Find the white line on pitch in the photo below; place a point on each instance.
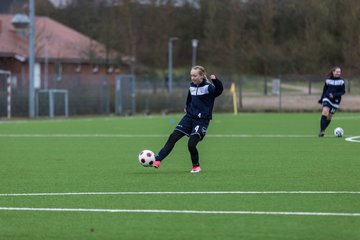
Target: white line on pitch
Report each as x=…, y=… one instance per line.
x=150, y=135
x=82, y=135
x=178, y=193
x=178, y=211
x=353, y=139
x=346, y=117
x=260, y=135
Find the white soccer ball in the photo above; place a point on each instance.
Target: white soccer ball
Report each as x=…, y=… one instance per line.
x=338, y=132
x=147, y=158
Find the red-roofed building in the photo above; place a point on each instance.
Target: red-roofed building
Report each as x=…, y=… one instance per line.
x=64, y=49
x=64, y=59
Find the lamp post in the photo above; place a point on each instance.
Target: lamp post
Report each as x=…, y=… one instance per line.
x=170, y=61
x=20, y=22
x=194, y=43
x=46, y=75
x=31, y=59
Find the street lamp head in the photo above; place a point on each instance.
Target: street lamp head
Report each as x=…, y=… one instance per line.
x=173, y=39
x=194, y=43
x=20, y=21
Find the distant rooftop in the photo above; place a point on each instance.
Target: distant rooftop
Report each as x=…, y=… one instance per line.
x=63, y=42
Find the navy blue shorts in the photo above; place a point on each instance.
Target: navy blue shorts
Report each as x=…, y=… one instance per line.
x=192, y=126
x=332, y=109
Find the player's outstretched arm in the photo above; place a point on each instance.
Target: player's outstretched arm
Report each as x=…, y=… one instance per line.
x=218, y=85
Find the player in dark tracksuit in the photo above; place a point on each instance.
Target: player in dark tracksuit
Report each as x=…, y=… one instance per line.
x=334, y=88
x=199, y=107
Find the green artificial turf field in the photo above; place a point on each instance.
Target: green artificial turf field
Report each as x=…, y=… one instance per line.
x=265, y=176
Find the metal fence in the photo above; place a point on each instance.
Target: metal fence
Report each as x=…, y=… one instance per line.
x=291, y=93
x=141, y=94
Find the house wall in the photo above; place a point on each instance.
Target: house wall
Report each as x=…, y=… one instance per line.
x=89, y=92
x=21, y=70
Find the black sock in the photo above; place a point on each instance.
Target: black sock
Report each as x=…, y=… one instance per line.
x=194, y=154
x=327, y=123
x=323, y=123
x=169, y=145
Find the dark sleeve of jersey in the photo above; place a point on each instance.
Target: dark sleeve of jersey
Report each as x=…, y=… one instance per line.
x=188, y=99
x=340, y=92
x=218, y=87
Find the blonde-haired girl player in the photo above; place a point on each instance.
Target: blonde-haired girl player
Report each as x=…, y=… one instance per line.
x=199, y=107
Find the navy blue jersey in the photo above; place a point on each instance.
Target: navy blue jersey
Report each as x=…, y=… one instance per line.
x=201, y=98
x=335, y=86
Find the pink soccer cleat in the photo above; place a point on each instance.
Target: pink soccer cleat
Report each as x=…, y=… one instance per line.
x=156, y=164
x=195, y=169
